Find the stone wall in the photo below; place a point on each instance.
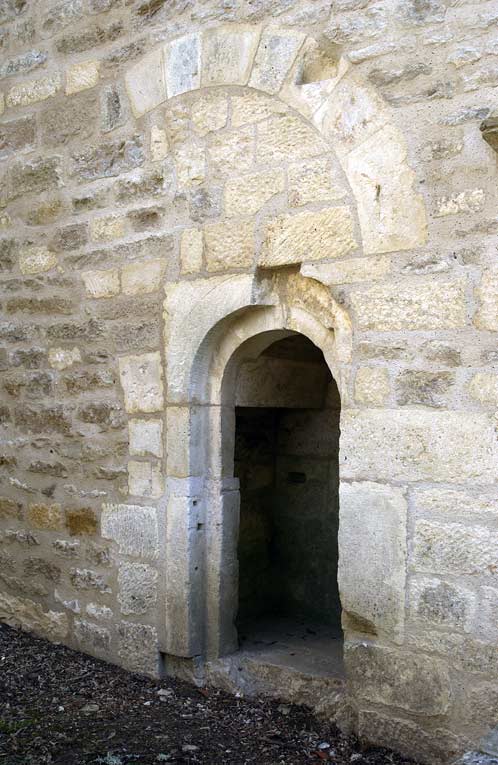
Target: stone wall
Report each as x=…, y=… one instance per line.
x=167, y=151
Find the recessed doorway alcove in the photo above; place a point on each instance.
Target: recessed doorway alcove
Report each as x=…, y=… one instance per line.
x=287, y=409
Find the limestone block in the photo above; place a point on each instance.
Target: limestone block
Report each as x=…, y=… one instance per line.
x=468, y=201
x=159, y=147
x=146, y=438
x=43, y=516
x=139, y=648
x=133, y=528
x=183, y=441
x=142, y=277
x=228, y=53
x=86, y=579
x=137, y=585
x=484, y=388
x=182, y=62
x=145, y=83
x=371, y=385
x=426, y=304
x=9, y=508
x=144, y=479
x=441, y=603
x=276, y=54
x=313, y=181
x=210, y=113
x=451, y=504
x=35, y=90
x=373, y=519
x=349, y=271
x=487, y=296
x=92, y=637
x=31, y=617
x=82, y=76
x=417, y=386
x=96, y=611
x=252, y=107
x=454, y=548
x=418, y=445
x=36, y=259
x=380, y=177
x=232, y=152
x=308, y=236
x=247, y=194
x=141, y=378
x=486, y=624
x=191, y=249
x=418, y=684
x=101, y=284
x=107, y=229
x=229, y=245
x=190, y=165
x=62, y=358
x=353, y=112
x=281, y=138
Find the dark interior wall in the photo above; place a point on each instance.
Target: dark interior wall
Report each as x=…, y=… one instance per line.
x=287, y=464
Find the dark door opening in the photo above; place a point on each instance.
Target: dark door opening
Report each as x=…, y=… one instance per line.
x=286, y=459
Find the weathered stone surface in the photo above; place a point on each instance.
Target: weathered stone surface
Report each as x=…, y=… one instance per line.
x=280, y=138
x=35, y=260
x=450, y=504
x=308, y=236
x=183, y=65
x=191, y=250
x=349, y=271
x=9, y=508
x=144, y=479
x=487, y=296
x=108, y=159
x=247, y=194
x=107, y=229
x=441, y=603
x=16, y=135
x=424, y=305
x=227, y=54
x=86, y=579
x=373, y=516
x=142, y=278
x=372, y=385
x=31, y=177
x=455, y=548
x=138, y=648
x=62, y=358
x=210, y=113
x=23, y=63
x=42, y=419
x=231, y=152
x=204, y=203
x=146, y=438
x=31, y=617
x=81, y=521
x=469, y=201
x=276, y=54
x=484, y=388
x=82, y=76
x=419, y=684
x=254, y=107
x=145, y=83
x=229, y=245
x=137, y=585
x=90, y=37
x=133, y=528
x=36, y=90
x=92, y=637
x=486, y=625
x=418, y=445
x=426, y=388
x=43, y=516
x=313, y=181
x=101, y=284
x=141, y=378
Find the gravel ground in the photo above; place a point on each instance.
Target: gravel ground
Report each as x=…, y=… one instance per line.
x=61, y=707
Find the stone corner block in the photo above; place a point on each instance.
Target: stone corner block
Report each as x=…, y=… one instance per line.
x=141, y=379
x=133, y=528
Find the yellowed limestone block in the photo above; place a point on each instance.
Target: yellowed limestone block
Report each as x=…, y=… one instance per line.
x=229, y=245
x=246, y=194
x=371, y=385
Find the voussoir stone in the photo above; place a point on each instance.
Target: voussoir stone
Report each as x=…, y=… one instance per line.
x=227, y=54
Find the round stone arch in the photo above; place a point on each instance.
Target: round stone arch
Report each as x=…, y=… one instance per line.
x=329, y=93
x=204, y=351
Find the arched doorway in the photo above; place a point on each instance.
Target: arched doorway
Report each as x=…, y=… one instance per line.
x=287, y=410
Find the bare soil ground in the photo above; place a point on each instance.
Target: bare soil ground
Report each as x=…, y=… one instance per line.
x=61, y=707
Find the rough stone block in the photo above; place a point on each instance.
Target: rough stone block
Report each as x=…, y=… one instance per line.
x=441, y=603
x=190, y=166
x=424, y=305
x=16, y=135
x=276, y=54
x=141, y=378
x=191, y=250
x=419, y=684
x=252, y=107
x=81, y=521
x=142, y=278
x=139, y=648
x=27, y=93
x=231, y=152
x=314, y=181
x=108, y=159
x=31, y=617
x=425, y=388
x=349, y=271
x=487, y=296
x=469, y=201
x=146, y=438
x=247, y=194
x=455, y=504
x=371, y=385
x=373, y=518
x=82, y=76
x=43, y=516
x=227, y=54
x=92, y=637
x=32, y=177
x=182, y=60
x=418, y=445
x=133, y=528
x=62, y=358
x=282, y=137
x=484, y=388
x=486, y=626
x=108, y=229
x=9, y=508
x=455, y=548
x=229, y=245
x=145, y=83
x=308, y=236
x=23, y=63
x=86, y=579
x=210, y=113
x=137, y=585
x=101, y=284
x=36, y=260
x=144, y=479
